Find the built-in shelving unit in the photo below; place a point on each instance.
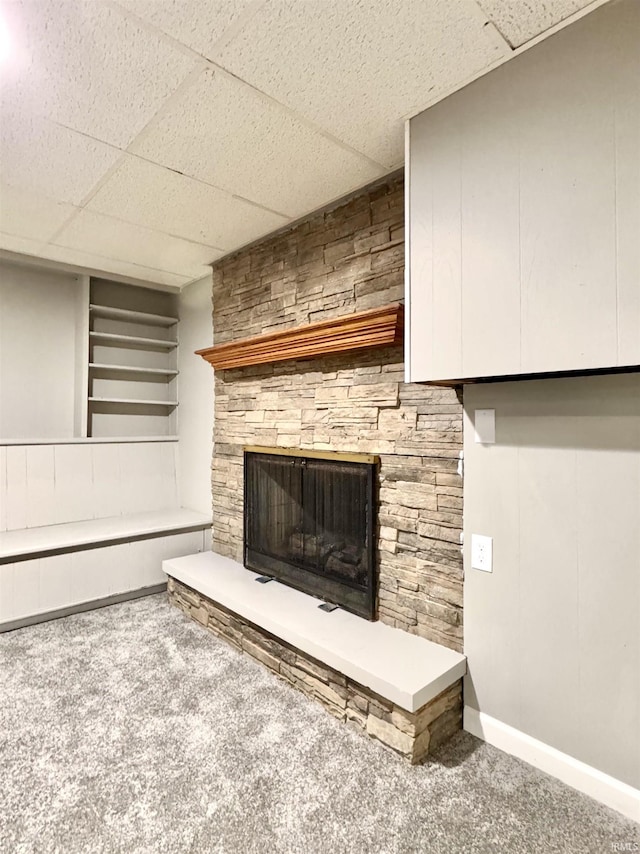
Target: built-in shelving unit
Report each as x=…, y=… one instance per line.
x=131, y=316
x=98, y=368
x=132, y=365
x=132, y=342
x=133, y=402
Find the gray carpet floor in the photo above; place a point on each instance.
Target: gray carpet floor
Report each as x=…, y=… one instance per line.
x=131, y=729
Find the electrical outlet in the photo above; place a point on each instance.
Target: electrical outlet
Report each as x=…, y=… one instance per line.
x=482, y=553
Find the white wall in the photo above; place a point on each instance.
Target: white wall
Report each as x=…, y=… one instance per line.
x=39, y=351
x=524, y=211
x=552, y=634
x=195, y=393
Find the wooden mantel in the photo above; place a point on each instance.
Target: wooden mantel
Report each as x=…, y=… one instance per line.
x=378, y=327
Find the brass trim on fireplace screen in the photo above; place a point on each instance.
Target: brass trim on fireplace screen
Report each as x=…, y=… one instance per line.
x=338, y=456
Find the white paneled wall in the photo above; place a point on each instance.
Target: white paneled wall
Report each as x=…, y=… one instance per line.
x=196, y=384
x=45, y=489
x=524, y=211
x=42, y=585
x=39, y=352
x=52, y=484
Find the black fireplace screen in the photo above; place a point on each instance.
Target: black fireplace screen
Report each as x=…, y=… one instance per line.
x=310, y=523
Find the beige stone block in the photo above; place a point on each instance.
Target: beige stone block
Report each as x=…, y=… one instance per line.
x=388, y=533
x=445, y=727
x=353, y=416
x=407, y=584
x=387, y=546
x=357, y=718
x=340, y=249
x=328, y=394
x=357, y=701
x=421, y=747
x=328, y=694
x=260, y=654
x=382, y=394
x=286, y=671
x=416, y=496
x=404, y=721
x=445, y=478
x=200, y=614
x=384, y=297
x=449, y=517
x=189, y=596
x=397, y=419
x=390, y=735
x=450, y=698
x=311, y=669
x=446, y=501
x=439, y=532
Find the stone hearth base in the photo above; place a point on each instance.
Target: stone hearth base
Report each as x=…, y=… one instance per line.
x=411, y=734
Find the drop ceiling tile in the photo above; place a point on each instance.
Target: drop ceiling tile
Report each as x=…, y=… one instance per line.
x=113, y=238
x=225, y=133
x=519, y=21
x=97, y=264
x=357, y=68
x=205, y=24
x=150, y=195
x=41, y=156
x=23, y=245
x=89, y=67
x=25, y=214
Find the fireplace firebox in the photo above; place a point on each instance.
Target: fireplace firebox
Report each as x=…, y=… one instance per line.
x=309, y=521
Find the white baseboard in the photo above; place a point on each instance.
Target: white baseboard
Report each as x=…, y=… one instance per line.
x=609, y=791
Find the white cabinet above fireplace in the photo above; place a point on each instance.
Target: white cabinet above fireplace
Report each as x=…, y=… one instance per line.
x=523, y=207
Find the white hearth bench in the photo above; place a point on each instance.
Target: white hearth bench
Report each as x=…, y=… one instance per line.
x=401, y=689
x=88, y=524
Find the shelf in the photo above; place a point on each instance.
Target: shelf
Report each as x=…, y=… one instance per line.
x=132, y=342
x=132, y=316
x=378, y=327
x=132, y=369
x=86, y=440
x=126, y=400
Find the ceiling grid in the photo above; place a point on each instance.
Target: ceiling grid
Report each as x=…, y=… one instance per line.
x=147, y=138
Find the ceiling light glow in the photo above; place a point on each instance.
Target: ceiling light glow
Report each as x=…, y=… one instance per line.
x=5, y=40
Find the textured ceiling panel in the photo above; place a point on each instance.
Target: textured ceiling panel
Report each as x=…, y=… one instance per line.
x=43, y=157
x=150, y=195
x=98, y=263
x=356, y=68
x=89, y=67
x=113, y=238
x=25, y=214
x=519, y=21
x=205, y=24
x=23, y=245
x=226, y=134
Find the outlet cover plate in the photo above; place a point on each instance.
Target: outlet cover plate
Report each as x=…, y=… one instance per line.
x=485, y=426
x=482, y=552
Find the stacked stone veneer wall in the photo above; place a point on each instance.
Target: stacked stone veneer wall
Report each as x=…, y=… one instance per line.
x=338, y=262
x=411, y=734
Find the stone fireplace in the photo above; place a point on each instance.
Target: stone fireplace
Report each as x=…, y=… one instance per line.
x=346, y=260
x=338, y=263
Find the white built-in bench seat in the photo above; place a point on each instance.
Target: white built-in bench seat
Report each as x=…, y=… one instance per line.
x=91, y=533
x=88, y=523
x=405, y=669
